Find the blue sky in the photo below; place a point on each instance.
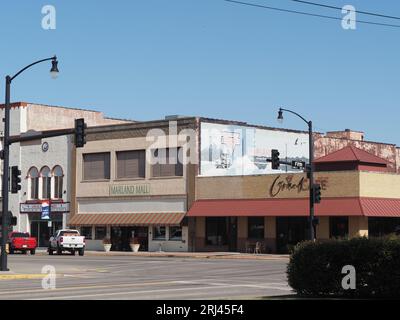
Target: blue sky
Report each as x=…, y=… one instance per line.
x=144, y=59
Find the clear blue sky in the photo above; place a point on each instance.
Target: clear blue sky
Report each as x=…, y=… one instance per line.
x=144, y=59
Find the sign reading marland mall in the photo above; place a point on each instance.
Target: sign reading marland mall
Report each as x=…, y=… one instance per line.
x=130, y=190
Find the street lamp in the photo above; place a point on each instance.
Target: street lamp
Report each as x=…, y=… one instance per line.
x=310, y=171
x=5, y=155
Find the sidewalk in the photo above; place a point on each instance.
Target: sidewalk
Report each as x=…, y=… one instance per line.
x=195, y=255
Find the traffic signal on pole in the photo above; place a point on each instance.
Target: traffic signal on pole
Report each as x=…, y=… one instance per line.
x=15, y=179
x=80, y=133
x=275, y=159
x=317, y=193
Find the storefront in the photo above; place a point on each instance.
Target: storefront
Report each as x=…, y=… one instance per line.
x=43, y=226
x=270, y=212
x=153, y=231
x=133, y=187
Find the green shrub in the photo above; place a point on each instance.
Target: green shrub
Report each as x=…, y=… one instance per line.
x=315, y=268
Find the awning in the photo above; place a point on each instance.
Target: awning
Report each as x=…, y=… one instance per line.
x=126, y=219
x=371, y=207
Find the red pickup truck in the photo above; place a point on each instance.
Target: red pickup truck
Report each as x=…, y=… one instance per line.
x=21, y=241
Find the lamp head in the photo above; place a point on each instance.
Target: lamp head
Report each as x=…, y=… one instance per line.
x=54, y=68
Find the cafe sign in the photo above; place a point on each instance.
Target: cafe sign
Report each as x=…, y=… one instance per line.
x=130, y=190
x=293, y=184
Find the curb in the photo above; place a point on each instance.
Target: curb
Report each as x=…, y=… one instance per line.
x=173, y=255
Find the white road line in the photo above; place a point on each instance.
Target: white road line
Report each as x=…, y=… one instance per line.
x=146, y=291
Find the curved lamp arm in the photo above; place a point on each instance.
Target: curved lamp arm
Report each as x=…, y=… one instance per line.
x=32, y=64
x=295, y=113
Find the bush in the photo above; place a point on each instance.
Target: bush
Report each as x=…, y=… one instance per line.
x=315, y=268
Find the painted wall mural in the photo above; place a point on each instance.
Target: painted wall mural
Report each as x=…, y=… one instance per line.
x=231, y=150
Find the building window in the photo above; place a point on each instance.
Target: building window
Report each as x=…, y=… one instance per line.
x=131, y=164
x=338, y=227
x=255, y=227
x=379, y=227
x=216, y=231
x=33, y=176
x=100, y=233
x=175, y=233
x=166, y=163
x=96, y=166
x=58, y=182
x=159, y=233
x=86, y=232
x=46, y=183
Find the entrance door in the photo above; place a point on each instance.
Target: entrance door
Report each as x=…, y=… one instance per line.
x=42, y=232
x=290, y=231
x=232, y=234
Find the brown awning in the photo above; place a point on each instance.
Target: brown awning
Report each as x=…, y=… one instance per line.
x=370, y=207
x=127, y=219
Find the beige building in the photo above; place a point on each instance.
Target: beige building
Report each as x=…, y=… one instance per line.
x=235, y=213
x=121, y=193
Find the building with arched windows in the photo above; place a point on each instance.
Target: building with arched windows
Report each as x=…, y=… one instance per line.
x=45, y=165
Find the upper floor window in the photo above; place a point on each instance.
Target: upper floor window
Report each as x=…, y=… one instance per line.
x=33, y=184
x=131, y=164
x=46, y=183
x=96, y=166
x=166, y=163
x=58, y=182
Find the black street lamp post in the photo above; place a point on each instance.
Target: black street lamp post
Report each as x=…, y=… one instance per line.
x=5, y=155
x=310, y=170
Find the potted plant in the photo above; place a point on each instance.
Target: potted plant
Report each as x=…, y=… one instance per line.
x=135, y=244
x=107, y=244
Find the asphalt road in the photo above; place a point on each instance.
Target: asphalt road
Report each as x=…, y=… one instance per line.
x=146, y=278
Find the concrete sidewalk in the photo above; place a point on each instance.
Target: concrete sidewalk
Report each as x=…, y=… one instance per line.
x=196, y=255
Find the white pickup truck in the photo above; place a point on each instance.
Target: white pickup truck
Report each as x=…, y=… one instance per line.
x=67, y=240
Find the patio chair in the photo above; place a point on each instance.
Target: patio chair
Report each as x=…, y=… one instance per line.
x=257, y=248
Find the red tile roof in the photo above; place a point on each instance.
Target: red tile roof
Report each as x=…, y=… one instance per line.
x=352, y=154
x=352, y=206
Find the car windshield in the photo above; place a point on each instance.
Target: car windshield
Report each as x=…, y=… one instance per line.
x=68, y=233
x=20, y=235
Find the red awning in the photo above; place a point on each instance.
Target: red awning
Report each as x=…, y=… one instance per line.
x=126, y=219
x=371, y=207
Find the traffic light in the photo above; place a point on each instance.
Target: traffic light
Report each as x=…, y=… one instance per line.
x=15, y=179
x=80, y=133
x=317, y=193
x=275, y=159
x=13, y=221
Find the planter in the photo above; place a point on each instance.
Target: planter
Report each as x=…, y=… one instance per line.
x=107, y=247
x=135, y=247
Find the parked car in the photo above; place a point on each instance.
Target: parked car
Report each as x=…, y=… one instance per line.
x=67, y=240
x=21, y=241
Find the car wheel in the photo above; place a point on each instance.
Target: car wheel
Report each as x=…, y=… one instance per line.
x=82, y=252
x=33, y=252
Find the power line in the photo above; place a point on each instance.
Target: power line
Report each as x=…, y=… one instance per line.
x=338, y=8
x=310, y=14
